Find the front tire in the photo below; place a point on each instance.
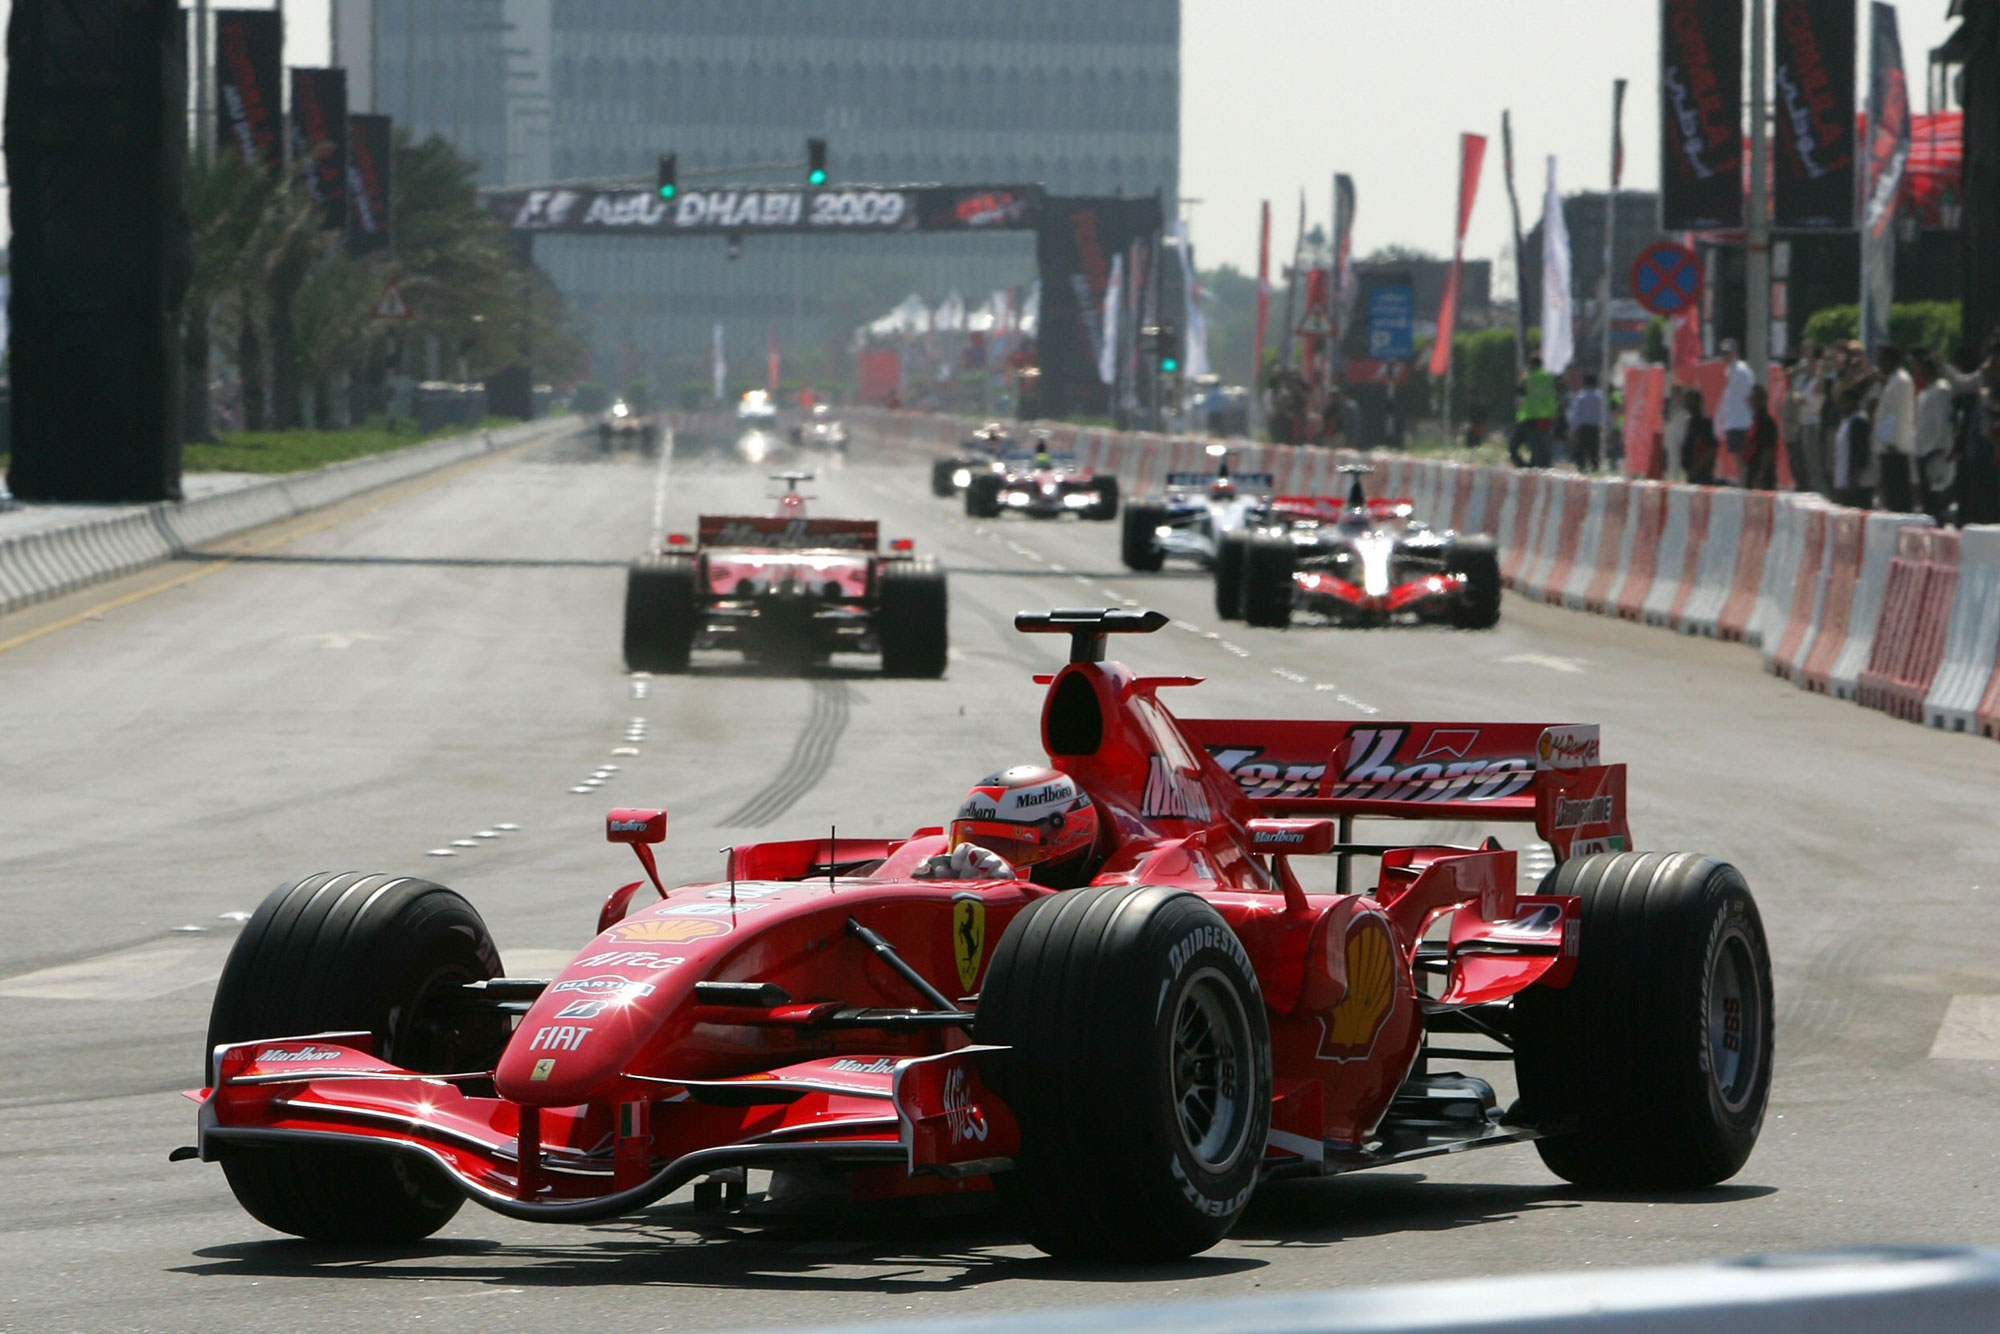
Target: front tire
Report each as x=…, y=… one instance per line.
x=1268, y=564
x=1230, y=552
x=1476, y=560
x=1660, y=1048
x=1139, y=544
x=352, y=952
x=982, y=496
x=1138, y=1062
x=1106, y=491
x=660, y=614
x=911, y=616
x=942, y=474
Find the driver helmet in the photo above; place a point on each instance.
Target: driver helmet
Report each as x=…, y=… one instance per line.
x=1031, y=815
x=1222, y=488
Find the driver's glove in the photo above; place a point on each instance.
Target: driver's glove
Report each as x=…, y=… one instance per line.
x=967, y=861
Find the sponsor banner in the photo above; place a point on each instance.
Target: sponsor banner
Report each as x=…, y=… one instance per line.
x=1701, y=115
x=249, y=106
x=319, y=139
x=369, y=161
x=1813, y=105
x=1572, y=746
x=772, y=530
x=1471, y=155
x=710, y=209
x=1074, y=247
x=1888, y=154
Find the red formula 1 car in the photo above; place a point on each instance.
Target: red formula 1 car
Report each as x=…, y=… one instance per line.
x=1356, y=562
x=1041, y=486
x=788, y=588
x=1123, y=1063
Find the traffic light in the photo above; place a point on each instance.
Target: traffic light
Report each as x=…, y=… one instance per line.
x=816, y=162
x=669, y=169
x=1168, y=346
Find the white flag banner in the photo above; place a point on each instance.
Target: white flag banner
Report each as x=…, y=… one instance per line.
x=1195, y=345
x=720, y=363
x=1558, y=319
x=1107, y=348
x=950, y=314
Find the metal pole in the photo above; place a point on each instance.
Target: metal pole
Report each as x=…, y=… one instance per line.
x=1610, y=247
x=1757, y=265
x=204, y=132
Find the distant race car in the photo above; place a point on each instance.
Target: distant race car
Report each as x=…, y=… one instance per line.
x=821, y=431
x=786, y=587
x=757, y=428
x=1198, y=510
x=982, y=451
x=1122, y=1063
x=1357, y=562
x=1041, y=486
x=618, y=425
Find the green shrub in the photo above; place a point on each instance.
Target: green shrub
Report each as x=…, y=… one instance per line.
x=1932, y=324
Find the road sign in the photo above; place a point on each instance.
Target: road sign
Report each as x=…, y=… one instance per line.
x=391, y=306
x=1666, y=278
x=1392, y=323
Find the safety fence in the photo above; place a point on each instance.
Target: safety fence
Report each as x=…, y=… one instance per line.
x=60, y=558
x=1882, y=609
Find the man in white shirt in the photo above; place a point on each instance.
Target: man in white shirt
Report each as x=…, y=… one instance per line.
x=1732, y=414
x=1586, y=425
x=1895, y=428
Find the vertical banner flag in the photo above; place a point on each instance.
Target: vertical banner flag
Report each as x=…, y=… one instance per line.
x=1888, y=154
x=1520, y=245
x=1471, y=156
x=1263, y=292
x=1558, y=320
x=1701, y=115
x=1074, y=246
x=1107, y=347
x=1343, y=256
x=369, y=158
x=1194, y=333
x=1812, y=176
x=319, y=139
x=1617, y=134
x=249, y=107
x=718, y=363
x=771, y=362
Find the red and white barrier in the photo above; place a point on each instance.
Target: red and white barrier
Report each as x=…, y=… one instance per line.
x=1605, y=496
x=1966, y=669
x=1880, y=534
x=1715, y=576
x=1909, y=642
x=1759, y=509
x=1671, y=559
x=1786, y=654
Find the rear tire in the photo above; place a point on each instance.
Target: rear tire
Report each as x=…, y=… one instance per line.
x=1660, y=1047
x=1268, y=564
x=1106, y=491
x=1230, y=553
x=1478, y=607
x=1138, y=1062
x=355, y=953
x=942, y=472
x=982, y=496
x=1139, y=544
x=660, y=614
x=911, y=618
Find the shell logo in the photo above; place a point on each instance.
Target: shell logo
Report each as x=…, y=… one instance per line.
x=1351, y=1026
x=676, y=931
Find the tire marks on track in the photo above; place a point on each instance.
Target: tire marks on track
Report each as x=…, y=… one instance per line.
x=812, y=756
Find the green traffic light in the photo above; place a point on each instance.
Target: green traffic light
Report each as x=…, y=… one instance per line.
x=666, y=192
x=1169, y=365
x=817, y=178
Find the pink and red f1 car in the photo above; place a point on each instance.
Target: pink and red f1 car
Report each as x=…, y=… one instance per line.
x=1357, y=562
x=1122, y=1063
x=788, y=588
x=1041, y=486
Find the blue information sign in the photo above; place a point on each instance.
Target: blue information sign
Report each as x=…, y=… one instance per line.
x=1392, y=320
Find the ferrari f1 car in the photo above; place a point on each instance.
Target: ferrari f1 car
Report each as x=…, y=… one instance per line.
x=1197, y=512
x=1359, y=562
x=1122, y=1063
x=1041, y=486
x=618, y=425
x=786, y=587
x=982, y=451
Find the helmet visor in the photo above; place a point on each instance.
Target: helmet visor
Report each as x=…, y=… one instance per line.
x=1020, y=844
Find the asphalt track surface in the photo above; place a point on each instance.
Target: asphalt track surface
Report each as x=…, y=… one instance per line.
x=420, y=667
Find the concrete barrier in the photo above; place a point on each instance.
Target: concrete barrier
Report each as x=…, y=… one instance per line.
x=1878, y=549
x=1966, y=670
x=1714, y=578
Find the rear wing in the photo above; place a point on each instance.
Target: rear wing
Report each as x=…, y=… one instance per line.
x=773, y=530
x=1547, y=774
x=1201, y=481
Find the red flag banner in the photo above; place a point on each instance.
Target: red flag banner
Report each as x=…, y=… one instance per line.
x=1471, y=156
x=1263, y=291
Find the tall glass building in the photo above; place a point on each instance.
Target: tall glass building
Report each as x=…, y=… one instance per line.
x=1082, y=96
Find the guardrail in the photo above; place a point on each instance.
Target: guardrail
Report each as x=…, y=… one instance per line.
x=49, y=562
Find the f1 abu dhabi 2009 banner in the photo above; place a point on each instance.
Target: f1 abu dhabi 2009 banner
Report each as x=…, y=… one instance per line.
x=369, y=160
x=698, y=210
x=249, y=108
x=1074, y=248
x=1701, y=115
x=1813, y=167
x=319, y=139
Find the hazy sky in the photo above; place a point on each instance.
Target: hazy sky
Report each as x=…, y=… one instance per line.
x=1280, y=94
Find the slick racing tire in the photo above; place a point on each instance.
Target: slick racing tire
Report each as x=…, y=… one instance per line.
x=911, y=619
x=1139, y=544
x=1230, y=552
x=1137, y=1060
x=1268, y=563
x=660, y=614
x=942, y=473
x=1106, y=491
x=982, y=496
x=1478, y=607
x=356, y=953
x=1658, y=1052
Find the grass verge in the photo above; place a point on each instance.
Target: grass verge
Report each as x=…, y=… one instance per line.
x=297, y=451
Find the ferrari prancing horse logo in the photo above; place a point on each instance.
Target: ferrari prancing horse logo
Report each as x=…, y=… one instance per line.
x=968, y=937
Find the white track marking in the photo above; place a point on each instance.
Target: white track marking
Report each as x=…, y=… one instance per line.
x=1970, y=1031
x=1548, y=660
x=1289, y=675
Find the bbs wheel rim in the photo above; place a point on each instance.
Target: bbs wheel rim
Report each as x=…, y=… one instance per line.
x=1735, y=1023
x=1211, y=1071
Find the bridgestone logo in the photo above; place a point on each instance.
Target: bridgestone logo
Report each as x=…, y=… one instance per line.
x=1574, y=814
x=1209, y=938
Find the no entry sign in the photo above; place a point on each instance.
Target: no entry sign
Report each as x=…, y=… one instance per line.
x=1666, y=278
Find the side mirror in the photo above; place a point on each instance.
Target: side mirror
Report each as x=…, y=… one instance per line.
x=635, y=826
